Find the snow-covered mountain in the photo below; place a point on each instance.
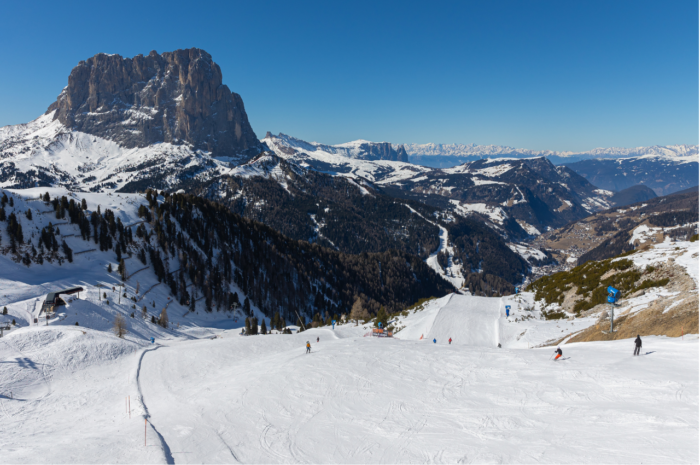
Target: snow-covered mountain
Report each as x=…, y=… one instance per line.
x=675, y=152
x=44, y=152
x=128, y=124
x=525, y=196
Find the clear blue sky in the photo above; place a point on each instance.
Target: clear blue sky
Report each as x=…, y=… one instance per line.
x=557, y=75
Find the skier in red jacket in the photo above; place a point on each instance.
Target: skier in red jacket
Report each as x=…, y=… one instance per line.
x=450, y=341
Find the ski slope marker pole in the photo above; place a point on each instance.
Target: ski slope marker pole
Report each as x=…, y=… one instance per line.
x=145, y=422
x=129, y=407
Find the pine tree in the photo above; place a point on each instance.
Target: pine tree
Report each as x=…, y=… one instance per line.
x=29, y=214
x=382, y=317
x=109, y=268
x=254, y=325
x=144, y=312
x=122, y=270
x=68, y=252
x=83, y=204
x=263, y=327
x=247, y=325
x=4, y=310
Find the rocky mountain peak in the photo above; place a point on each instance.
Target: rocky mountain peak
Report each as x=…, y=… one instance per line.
x=176, y=97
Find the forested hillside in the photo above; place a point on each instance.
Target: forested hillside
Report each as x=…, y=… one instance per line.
x=200, y=249
x=331, y=211
x=490, y=267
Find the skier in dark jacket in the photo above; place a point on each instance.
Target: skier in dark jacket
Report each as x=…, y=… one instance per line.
x=558, y=352
x=637, y=345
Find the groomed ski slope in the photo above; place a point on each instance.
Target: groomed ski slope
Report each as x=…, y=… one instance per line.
x=467, y=320
x=363, y=400
x=354, y=399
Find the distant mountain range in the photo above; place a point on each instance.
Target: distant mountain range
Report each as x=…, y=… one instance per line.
x=664, y=175
x=474, y=150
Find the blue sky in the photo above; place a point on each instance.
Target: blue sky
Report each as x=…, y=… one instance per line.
x=558, y=75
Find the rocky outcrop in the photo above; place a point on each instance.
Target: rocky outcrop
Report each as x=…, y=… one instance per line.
x=401, y=154
x=382, y=151
x=176, y=97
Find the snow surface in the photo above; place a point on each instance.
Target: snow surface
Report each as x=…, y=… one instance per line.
x=353, y=399
x=210, y=395
x=684, y=253
x=496, y=214
x=526, y=251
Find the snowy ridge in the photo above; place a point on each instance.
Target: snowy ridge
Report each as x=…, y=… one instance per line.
x=341, y=160
x=61, y=157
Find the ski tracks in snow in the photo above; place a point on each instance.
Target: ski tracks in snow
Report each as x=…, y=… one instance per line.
x=166, y=449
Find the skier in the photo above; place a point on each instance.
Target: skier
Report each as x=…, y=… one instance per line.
x=637, y=345
x=450, y=341
x=308, y=347
x=558, y=352
x=434, y=341
x=318, y=339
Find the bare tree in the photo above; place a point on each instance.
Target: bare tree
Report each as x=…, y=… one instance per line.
x=119, y=327
x=357, y=312
x=163, y=320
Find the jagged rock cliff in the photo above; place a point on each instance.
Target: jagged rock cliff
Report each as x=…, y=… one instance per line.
x=176, y=97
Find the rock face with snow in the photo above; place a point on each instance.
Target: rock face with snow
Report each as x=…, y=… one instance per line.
x=176, y=97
